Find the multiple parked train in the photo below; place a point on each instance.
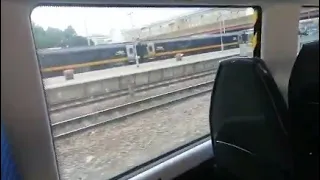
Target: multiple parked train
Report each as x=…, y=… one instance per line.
x=82, y=59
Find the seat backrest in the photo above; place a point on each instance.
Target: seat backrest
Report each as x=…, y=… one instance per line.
x=8, y=167
x=303, y=94
x=248, y=116
x=303, y=100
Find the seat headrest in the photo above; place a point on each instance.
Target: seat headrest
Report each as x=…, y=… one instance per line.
x=243, y=87
x=304, y=79
x=248, y=112
x=303, y=98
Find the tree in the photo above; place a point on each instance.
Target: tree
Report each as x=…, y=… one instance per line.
x=75, y=41
x=39, y=35
x=54, y=37
x=69, y=32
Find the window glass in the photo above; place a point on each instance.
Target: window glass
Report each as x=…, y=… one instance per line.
x=118, y=113
x=150, y=48
x=131, y=51
x=308, y=26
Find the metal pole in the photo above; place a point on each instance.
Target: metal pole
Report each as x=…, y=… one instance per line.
x=134, y=39
x=136, y=55
x=223, y=26
x=221, y=40
x=85, y=26
x=131, y=20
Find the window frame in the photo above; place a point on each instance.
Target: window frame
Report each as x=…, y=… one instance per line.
x=40, y=105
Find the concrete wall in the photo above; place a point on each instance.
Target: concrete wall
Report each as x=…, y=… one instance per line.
x=101, y=87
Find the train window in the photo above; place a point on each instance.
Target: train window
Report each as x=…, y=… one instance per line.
x=159, y=48
x=121, y=114
x=308, y=25
x=150, y=48
x=120, y=53
x=130, y=50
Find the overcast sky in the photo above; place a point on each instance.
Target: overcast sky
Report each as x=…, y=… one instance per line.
x=102, y=20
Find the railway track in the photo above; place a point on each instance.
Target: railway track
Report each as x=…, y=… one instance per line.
x=56, y=108
x=79, y=124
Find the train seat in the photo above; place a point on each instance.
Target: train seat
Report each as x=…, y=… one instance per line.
x=8, y=167
x=247, y=117
x=303, y=100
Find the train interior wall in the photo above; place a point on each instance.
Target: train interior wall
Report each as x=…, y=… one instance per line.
x=278, y=49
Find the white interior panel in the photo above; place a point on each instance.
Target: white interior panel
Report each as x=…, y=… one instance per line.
x=279, y=40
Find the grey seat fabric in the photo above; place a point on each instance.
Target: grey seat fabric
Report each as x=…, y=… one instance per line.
x=247, y=121
x=303, y=100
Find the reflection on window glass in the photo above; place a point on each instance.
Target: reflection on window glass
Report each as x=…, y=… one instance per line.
x=308, y=26
x=127, y=85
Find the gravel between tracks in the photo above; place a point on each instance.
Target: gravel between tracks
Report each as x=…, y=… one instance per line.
x=74, y=112
x=106, y=151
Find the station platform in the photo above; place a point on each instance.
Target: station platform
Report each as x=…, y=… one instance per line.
x=90, y=84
